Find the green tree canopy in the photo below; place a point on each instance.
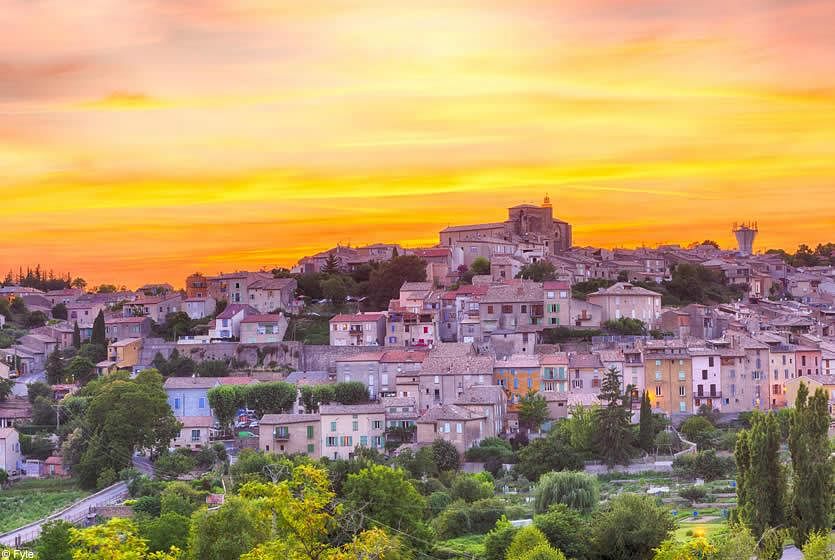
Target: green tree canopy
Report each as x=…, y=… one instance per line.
x=540, y=271
x=630, y=527
x=533, y=411
x=577, y=490
x=812, y=465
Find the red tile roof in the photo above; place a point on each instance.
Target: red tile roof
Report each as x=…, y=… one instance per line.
x=269, y=318
x=357, y=318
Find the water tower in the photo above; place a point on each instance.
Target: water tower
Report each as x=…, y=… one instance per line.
x=745, y=234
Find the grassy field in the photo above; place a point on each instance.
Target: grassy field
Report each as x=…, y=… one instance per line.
x=471, y=546
x=29, y=500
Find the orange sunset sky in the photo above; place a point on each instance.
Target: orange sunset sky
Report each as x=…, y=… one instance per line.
x=143, y=140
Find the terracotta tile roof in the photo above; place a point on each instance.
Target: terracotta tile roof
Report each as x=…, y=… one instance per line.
x=356, y=317
x=584, y=360
x=288, y=418
x=206, y=382
x=416, y=286
x=398, y=401
x=448, y=412
x=473, y=227
x=556, y=285
x=440, y=252
x=125, y=320
x=362, y=357
x=624, y=288
x=272, y=283
x=518, y=361
x=268, y=318
x=555, y=359
x=482, y=394
x=521, y=292
x=330, y=409
x=402, y=356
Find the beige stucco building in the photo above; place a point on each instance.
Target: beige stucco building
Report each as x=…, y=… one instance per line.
x=624, y=300
x=346, y=427
x=291, y=433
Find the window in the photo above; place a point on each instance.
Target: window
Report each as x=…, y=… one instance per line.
x=658, y=362
x=682, y=406
x=550, y=295
x=333, y=426
x=459, y=428
x=355, y=426
x=524, y=308
x=704, y=374
x=310, y=432
x=509, y=309
x=709, y=362
x=346, y=441
x=437, y=379
x=682, y=376
x=658, y=390
x=563, y=294
x=176, y=403
x=195, y=435
x=364, y=441
x=490, y=309
x=595, y=382
x=682, y=392
x=658, y=376
x=201, y=402
x=311, y=448
x=446, y=427
x=331, y=441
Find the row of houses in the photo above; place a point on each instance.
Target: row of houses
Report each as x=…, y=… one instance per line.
x=510, y=314
x=334, y=431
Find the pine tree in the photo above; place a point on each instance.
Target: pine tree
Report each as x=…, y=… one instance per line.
x=99, y=335
x=761, y=481
x=646, y=434
x=332, y=264
x=614, y=436
x=54, y=368
x=811, y=503
x=76, y=336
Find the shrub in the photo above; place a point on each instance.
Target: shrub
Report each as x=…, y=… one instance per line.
x=460, y=518
x=703, y=464
x=630, y=528
x=498, y=540
x=149, y=505
x=437, y=502
x=469, y=488
x=565, y=529
x=693, y=493
x=491, y=449
x=525, y=539
x=578, y=490
x=445, y=456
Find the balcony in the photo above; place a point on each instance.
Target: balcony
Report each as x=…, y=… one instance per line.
x=281, y=434
x=710, y=395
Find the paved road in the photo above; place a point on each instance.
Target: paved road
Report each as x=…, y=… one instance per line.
x=75, y=513
x=143, y=465
x=19, y=389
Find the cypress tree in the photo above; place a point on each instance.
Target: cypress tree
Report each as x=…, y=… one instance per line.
x=761, y=481
x=76, y=336
x=811, y=503
x=99, y=335
x=614, y=437
x=646, y=434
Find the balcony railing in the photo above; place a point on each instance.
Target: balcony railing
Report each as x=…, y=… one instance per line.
x=713, y=395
